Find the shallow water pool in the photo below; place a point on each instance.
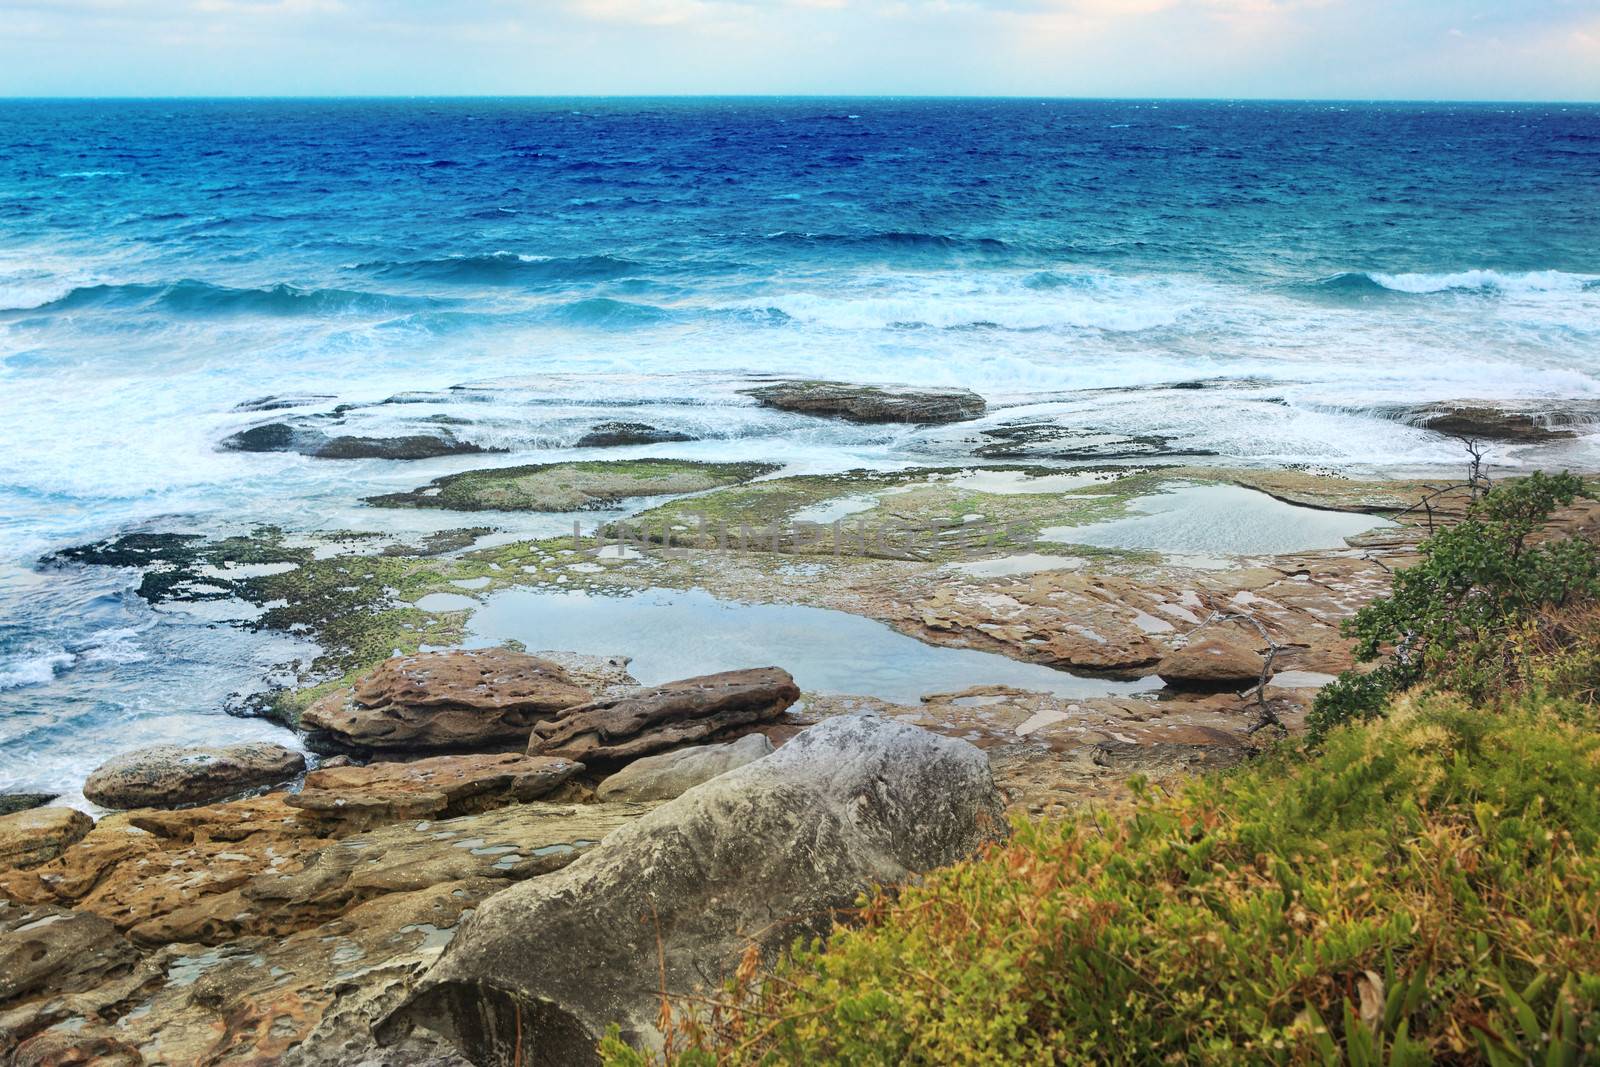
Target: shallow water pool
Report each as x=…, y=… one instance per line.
x=1212, y=526
x=677, y=634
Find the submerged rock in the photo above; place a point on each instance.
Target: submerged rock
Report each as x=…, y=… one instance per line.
x=284, y=437
x=283, y=401
x=38, y=835
x=671, y=774
x=354, y=798
x=168, y=776
x=1498, y=421
x=617, y=434
x=570, y=486
x=762, y=854
x=484, y=698
x=1212, y=663
x=693, y=709
x=871, y=403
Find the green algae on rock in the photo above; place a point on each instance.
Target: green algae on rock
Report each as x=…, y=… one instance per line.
x=570, y=486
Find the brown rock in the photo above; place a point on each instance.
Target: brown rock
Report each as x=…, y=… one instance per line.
x=509, y=844
x=493, y=679
x=29, y=838
x=1211, y=663
x=46, y=949
x=694, y=709
x=442, y=701
x=167, y=776
x=74, y=1047
x=355, y=798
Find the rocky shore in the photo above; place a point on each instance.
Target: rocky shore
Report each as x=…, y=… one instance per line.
x=491, y=854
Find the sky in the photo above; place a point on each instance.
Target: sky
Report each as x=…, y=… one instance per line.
x=1345, y=49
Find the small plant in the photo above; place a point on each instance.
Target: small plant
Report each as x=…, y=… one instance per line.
x=1450, y=619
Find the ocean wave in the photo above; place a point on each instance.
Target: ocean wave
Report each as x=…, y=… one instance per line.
x=603, y=311
x=992, y=302
x=38, y=669
x=1527, y=282
x=504, y=268
x=894, y=241
x=202, y=298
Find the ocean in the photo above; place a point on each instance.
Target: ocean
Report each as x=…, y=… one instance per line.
x=525, y=268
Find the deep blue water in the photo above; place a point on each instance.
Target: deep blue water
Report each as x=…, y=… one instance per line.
x=161, y=261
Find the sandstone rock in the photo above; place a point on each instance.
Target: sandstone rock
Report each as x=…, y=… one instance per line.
x=871, y=403
x=492, y=679
x=762, y=854
x=693, y=709
x=670, y=774
x=14, y=802
x=72, y=1047
x=616, y=434
x=46, y=949
x=507, y=844
x=1211, y=663
x=355, y=798
x=167, y=776
x=37, y=835
x=439, y=701
x=259, y=867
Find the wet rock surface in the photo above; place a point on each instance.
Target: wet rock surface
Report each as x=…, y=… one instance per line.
x=14, y=802
x=577, y=486
x=619, y=434
x=307, y=441
x=671, y=774
x=36, y=835
x=168, y=776
x=760, y=855
x=869, y=403
x=442, y=701
x=624, y=728
x=1491, y=420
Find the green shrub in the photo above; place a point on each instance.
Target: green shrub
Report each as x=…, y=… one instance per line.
x=1423, y=889
x=1448, y=620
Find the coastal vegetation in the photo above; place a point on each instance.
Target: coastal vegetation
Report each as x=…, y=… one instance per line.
x=1416, y=881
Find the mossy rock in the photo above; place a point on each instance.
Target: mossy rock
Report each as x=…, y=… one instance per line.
x=570, y=486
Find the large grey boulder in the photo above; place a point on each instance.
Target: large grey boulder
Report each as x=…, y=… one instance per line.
x=671, y=774
x=762, y=854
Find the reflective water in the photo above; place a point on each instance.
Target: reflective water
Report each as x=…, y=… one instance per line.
x=676, y=634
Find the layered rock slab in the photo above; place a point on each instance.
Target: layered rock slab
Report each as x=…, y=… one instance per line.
x=354, y=798
x=442, y=701
x=622, y=728
x=760, y=855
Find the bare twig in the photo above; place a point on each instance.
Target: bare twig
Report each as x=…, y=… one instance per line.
x=1268, y=717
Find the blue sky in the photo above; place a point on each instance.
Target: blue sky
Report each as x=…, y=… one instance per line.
x=1406, y=49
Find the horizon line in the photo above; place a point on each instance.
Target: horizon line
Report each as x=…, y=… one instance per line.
x=258, y=97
